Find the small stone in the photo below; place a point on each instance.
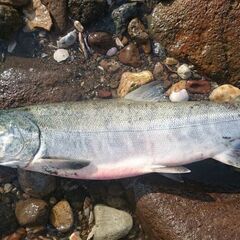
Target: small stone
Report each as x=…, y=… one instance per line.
x=78, y=26
x=137, y=31
x=111, y=52
x=198, y=86
x=124, y=40
x=159, y=51
x=177, y=87
x=75, y=236
x=146, y=47
x=68, y=40
x=110, y=66
x=61, y=55
x=18, y=235
x=31, y=212
x=11, y=46
x=171, y=61
x=180, y=96
x=130, y=81
x=184, y=71
x=111, y=223
x=37, y=16
x=101, y=41
x=158, y=70
x=225, y=93
x=105, y=94
x=62, y=216
x=129, y=55
x=36, y=184
x=7, y=187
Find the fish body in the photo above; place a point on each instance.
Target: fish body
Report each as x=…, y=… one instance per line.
x=113, y=139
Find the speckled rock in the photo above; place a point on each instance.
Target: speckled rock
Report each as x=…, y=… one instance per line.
x=129, y=55
x=31, y=212
x=131, y=80
x=58, y=11
x=205, y=34
x=110, y=223
x=101, y=41
x=137, y=31
x=36, y=184
x=15, y=3
x=87, y=11
x=175, y=211
x=10, y=21
x=224, y=93
x=62, y=216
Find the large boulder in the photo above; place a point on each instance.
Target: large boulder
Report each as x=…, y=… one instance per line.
x=204, y=32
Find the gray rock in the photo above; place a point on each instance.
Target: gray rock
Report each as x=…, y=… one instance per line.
x=10, y=21
x=110, y=223
x=36, y=184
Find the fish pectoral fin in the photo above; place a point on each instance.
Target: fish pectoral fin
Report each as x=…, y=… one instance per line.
x=162, y=169
x=151, y=92
x=231, y=157
x=56, y=164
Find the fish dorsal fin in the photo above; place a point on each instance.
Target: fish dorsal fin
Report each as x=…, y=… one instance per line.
x=151, y=92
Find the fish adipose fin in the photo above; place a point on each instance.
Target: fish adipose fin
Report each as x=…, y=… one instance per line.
x=230, y=157
x=54, y=165
x=151, y=92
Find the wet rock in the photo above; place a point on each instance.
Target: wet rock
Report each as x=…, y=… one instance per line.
x=75, y=236
x=31, y=212
x=111, y=223
x=68, y=40
x=122, y=15
x=159, y=51
x=104, y=94
x=137, y=31
x=10, y=21
x=224, y=93
x=7, y=218
x=184, y=71
x=129, y=55
x=18, y=235
x=130, y=81
x=146, y=47
x=158, y=71
x=15, y=3
x=62, y=216
x=36, y=184
x=198, y=86
x=180, y=96
x=171, y=61
x=174, y=211
x=110, y=66
x=204, y=34
x=101, y=41
x=37, y=16
x=58, y=11
x=177, y=87
x=87, y=11
x=61, y=55
x=111, y=52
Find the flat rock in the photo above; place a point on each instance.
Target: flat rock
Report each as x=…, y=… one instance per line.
x=111, y=223
x=31, y=212
x=204, y=33
x=207, y=210
x=36, y=184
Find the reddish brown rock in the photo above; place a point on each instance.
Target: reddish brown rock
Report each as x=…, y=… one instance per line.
x=101, y=41
x=58, y=10
x=178, y=211
x=104, y=94
x=130, y=55
x=206, y=33
x=198, y=86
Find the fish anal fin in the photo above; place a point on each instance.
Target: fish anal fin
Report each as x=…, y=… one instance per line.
x=167, y=170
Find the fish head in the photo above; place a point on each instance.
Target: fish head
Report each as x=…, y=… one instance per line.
x=19, y=139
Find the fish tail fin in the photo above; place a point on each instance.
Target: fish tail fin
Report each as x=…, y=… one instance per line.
x=230, y=157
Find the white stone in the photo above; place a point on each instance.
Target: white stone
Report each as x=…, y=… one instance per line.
x=61, y=55
x=180, y=96
x=184, y=71
x=111, y=223
x=68, y=40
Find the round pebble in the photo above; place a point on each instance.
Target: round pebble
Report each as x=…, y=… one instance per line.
x=61, y=55
x=111, y=52
x=180, y=96
x=184, y=71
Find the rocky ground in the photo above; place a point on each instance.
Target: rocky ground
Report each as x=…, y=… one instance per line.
x=119, y=46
